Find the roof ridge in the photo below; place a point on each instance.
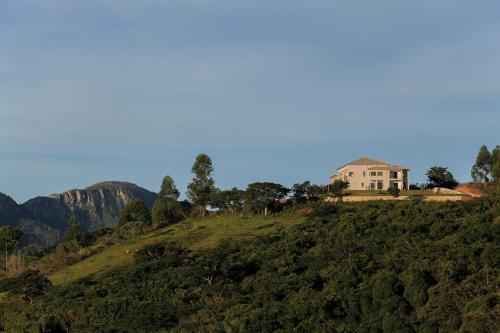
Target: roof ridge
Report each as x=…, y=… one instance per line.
x=365, y=161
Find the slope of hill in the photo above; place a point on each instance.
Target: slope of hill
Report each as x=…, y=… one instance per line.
x=364, y=267
x=203, y=234
x=44, y=219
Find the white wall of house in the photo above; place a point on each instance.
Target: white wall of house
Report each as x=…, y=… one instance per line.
x=372, y=177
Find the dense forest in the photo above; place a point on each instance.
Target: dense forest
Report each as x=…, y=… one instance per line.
x=366, y=267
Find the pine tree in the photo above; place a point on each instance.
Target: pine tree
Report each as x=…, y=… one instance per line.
x=74, y=230
x=201, y=187
x=168, y=189
x=167, y=209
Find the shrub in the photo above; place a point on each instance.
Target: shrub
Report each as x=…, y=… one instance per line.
x=394, y=191
x=31, y=284
x=130, y=230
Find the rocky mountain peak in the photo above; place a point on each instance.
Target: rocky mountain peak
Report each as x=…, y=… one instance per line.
x=96, y=206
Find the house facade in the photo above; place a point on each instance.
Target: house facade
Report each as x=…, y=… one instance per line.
x=369, y=174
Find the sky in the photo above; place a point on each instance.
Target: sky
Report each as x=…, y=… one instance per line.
x=272, y=90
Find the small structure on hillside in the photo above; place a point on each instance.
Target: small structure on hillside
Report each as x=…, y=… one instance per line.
x=369, y=174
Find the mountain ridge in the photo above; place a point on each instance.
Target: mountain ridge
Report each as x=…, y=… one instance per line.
x=44, y=219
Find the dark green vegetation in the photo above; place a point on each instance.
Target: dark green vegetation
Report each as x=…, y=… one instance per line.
x=395, y=192
x=487, y=165
x=9, y=238
x=167, y=209
x=338, y=189
x=441, y=177
x=364, y=267
x=134, y=211
x=263, y=197
x=202, y=186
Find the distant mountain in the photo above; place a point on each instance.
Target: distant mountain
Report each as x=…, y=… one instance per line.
x=10, y=211
x=44, y=219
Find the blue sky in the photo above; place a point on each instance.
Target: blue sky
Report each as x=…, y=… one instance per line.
x=281, y=91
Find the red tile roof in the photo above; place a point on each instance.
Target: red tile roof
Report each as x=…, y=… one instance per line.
x=370, y=161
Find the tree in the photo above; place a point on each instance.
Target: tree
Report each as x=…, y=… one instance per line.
x=261, y=197
x=134, y=211
x=74, y=231
x=337, y=189
x=167, y=211
x=229, y=200
x=9, y=238
x=201, y=187
x=304, y=192
x=300, y=192
x=168, y=189
x=495, y=164
x=441, y=177
x=315, y=192
x=481, y=170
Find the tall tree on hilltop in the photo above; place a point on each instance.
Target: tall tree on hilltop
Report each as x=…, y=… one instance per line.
x=201, y=187
x=168, y=190
x=9, y=238
x=481, y=170
x=167, y=209
x=262, y=197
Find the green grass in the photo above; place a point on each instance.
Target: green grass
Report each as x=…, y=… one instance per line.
x=203, y=234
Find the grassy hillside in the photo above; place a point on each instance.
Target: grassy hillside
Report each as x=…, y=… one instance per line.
x=366, y=267
x=201, y=235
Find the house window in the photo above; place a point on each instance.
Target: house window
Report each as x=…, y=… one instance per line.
x=380, y=173
x=362, y=184
x=364, y=173
x=372, y=185
x=373, y=173
x=351, y=174
x=380, y=185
